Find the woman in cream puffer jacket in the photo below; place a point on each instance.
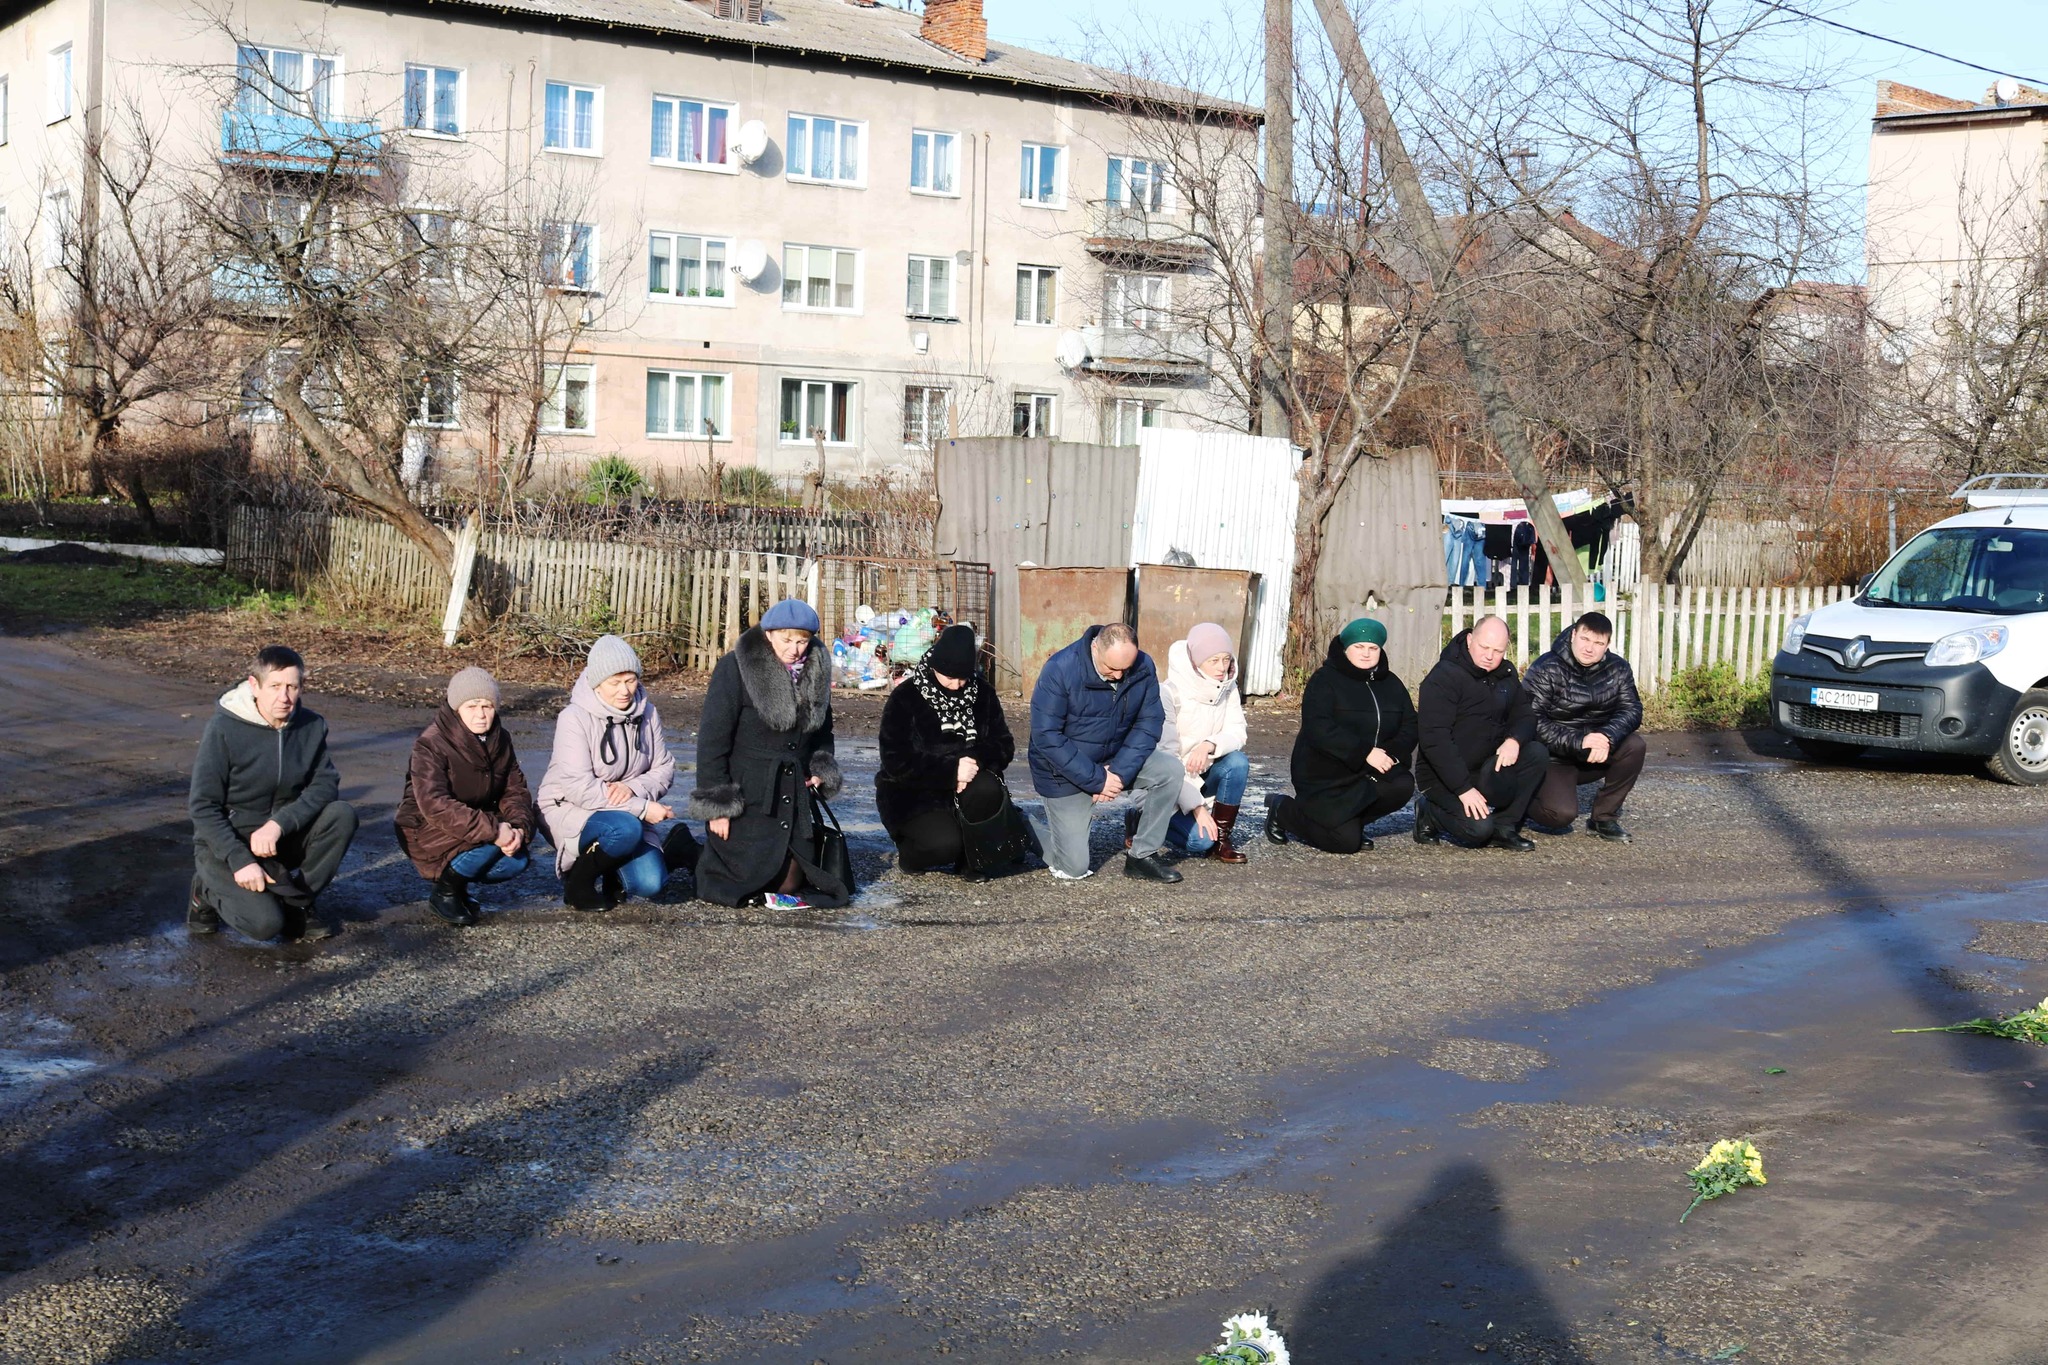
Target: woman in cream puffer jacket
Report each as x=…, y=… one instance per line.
x=1205, y=729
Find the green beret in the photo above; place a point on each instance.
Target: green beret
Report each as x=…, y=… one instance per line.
x=1363, y=631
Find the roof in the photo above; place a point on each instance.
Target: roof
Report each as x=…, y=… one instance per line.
x=869, y=33
x=1899, y=104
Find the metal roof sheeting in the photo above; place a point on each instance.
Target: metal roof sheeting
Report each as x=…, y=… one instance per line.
x=1229, y=501
x=1384, y=539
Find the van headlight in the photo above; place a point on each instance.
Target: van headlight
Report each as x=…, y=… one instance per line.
x=1795, y=634
x=1967, y=646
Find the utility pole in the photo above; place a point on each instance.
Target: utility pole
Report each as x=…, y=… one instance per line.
x=1276, y=281
x=1413, y=203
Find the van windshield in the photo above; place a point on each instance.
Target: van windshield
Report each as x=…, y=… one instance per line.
x=1998, y=569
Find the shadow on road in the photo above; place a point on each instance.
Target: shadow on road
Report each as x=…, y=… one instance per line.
x=1440, y=1284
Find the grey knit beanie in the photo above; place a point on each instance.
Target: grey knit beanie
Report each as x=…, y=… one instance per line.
x=472, y=684
x=608, y=656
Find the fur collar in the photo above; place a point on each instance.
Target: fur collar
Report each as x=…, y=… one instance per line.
x=802, y=707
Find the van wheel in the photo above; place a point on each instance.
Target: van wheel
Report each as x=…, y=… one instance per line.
x=1828, y=750
x=2022, y=758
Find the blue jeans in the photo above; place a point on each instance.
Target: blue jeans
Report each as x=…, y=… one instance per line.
x=618, y=834
x=1225, y=782
x=489, y=864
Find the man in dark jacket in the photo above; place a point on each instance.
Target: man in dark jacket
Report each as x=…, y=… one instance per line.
x=1477, y=759
x=1095, y=724
x=1588, y=716
x=268, y=826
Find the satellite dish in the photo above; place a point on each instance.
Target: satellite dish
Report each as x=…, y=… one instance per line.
x=753, y=259
x=752, y=141
x=1071, y=350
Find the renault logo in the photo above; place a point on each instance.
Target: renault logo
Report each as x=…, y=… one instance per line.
x=1858, y=649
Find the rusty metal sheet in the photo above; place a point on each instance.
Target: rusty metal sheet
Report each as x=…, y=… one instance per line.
x=1055, y=607
x=1384, y=557
x=1172, y=600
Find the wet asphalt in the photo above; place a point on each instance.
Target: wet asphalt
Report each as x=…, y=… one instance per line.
x=1421, y=1104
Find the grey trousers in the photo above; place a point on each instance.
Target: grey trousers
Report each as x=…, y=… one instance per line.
x=315, y=851
x=1068, y=818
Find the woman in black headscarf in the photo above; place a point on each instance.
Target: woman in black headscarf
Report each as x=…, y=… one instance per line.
x=944, y=746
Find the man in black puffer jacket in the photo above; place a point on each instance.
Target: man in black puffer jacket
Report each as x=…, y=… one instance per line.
x=1588, y=715
x=1477, y=759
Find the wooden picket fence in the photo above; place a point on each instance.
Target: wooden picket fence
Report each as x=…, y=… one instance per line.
x=1660, y=630
x=699, y=600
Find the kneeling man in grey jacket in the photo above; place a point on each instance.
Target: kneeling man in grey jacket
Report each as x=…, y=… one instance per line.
x=269, y=827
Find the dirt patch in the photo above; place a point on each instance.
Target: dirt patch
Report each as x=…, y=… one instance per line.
x=1482, y=1059
x=2024, y=940
x=723, y=1338
x=1972, y=983
x=1594, y=1133
x=1708, y=1310
x=1063, y=1258
x=95, y=1320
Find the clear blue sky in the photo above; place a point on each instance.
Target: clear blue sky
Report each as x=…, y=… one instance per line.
x=2008, y=34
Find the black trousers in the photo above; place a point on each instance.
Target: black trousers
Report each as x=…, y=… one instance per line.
x=932, y=838
x=1391, y=791
x=1557, y=800
x=1508, y=790
x=315, y=852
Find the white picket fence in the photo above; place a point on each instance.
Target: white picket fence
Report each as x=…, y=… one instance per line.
x=1660, y=630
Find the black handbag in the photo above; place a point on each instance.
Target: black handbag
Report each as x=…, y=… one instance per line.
x=998, y=841
x=828, y=845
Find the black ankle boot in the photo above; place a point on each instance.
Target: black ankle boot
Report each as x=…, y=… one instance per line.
x=1276, y=833
x=450, y=898
x=585, y=885
x=681, y=849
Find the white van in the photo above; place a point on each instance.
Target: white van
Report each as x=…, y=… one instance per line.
x=1943, y=650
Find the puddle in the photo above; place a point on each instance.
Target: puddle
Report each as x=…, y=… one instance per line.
x=22, y=1073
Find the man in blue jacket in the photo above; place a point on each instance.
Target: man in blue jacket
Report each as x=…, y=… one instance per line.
x=1095, y=723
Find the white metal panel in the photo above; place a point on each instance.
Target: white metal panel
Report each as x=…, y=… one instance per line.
x=1229, y=501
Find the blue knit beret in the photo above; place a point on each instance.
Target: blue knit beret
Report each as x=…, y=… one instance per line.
x=791, y=613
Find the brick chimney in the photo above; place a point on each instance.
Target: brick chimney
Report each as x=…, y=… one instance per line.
x=958, y=26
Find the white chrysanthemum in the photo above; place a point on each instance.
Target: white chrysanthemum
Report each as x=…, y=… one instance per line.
x=1252, y=1329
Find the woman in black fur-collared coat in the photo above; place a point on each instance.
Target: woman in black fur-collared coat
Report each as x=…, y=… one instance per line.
x=944, y=746
x=765, y=736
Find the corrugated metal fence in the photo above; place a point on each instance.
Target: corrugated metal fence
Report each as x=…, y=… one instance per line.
x=1383, y=545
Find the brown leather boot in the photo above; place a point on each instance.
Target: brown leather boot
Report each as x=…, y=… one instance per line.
x=1226, y=821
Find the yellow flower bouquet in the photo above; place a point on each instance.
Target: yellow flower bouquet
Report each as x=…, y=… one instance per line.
x=1729, y=1165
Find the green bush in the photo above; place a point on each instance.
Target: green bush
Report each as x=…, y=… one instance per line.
x=1710, y=697
x=612, y=479
x=749, y=483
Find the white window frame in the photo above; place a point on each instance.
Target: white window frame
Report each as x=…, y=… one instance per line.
x=727, y=162
x=58, y=71
x=706, y=271
x=1044, y=421
x=805, y=388
x=4, y=111
x=858, y=180
x=263, y=372
x=931, y=138
x=422, y=417
x=1136, y=410
x=558, y=238
x=801, y=278
x=670, y=380
x=443, y=250
x=1126, y=307
x=554, y=412
x=432, y=75
x=573, y=89
x=1037, y=273
x=315, y=98
x=1158, y=179
x=54, y=227
x=917, y=294
x=1031, y=175
x=918, y=415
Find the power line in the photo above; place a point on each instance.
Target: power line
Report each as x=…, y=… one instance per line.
x=1899, y=42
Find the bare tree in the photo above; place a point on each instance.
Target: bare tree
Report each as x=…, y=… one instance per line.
x=1649, y=166
x=120, y=320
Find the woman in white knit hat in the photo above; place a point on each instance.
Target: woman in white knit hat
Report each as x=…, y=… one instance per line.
x=602, y=797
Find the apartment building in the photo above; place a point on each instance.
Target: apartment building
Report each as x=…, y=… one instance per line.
x=803, y=224
x=1955, y=200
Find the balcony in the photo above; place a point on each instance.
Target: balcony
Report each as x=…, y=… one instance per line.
x=278, y=140
x=1145, y=353
x=1122, y=233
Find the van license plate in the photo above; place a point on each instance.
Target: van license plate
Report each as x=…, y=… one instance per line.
x=1842, y=700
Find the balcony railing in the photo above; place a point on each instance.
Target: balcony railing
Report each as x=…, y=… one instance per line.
x=1120, y=230
x=1164, y=352
x=279, y=140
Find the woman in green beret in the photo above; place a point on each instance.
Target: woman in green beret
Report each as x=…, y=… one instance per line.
x=1351, y=758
